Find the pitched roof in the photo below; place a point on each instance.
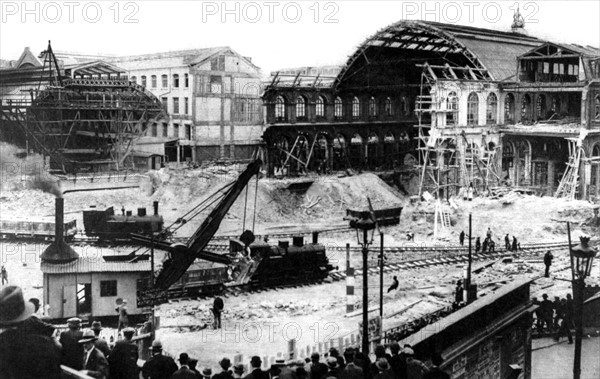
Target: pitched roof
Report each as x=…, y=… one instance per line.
x=85, y=265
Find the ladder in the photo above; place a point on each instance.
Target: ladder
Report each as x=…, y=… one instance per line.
x=569, y=182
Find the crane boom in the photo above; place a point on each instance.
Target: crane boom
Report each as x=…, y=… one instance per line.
x=184, y=255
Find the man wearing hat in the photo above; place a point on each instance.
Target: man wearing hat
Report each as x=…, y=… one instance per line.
x=159, y=366
x=184, y=371
x=332, y=367
x=383, y=369
x=100, y=343
x=123, y=358
x=256, y=373
x=315, y=368
x=206, y=373
x=94, y=362
x=22, y=354
x=414, y=367
x=238, y=371
x=225, y=364
x=35, y=325
x=72, y=351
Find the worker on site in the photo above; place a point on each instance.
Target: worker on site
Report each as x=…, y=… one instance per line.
x=394, y=285
x=548, y=262
x=461, y=238
x=217, y=310
x=477, y=245
x=4, y=275
x=470, y=192
x=507, y=242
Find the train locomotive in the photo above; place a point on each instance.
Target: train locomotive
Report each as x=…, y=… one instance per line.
x=108, y=226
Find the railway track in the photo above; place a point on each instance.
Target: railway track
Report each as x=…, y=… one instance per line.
x=336, y=276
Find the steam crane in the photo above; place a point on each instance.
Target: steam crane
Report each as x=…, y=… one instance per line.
x=184, y=254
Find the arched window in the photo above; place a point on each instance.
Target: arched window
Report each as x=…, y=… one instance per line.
x=492, y=109
x=388, y=107
x=164, y=81
x=540, y=107
x=300, y=108
x=509, y=109
x=154, y=81
x=355, y=108
x=452, y=108
x=186, y=79
x=320, y=107
x=175, y=80
x=338, y=110
x=280, y=108
x=597, y=108
x=143, y=83
x=372, y=108
x=134, y=79
x=403, y=106
x=473, y=109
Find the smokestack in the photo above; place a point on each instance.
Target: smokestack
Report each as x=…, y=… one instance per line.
x=156, y=208
x=59, y=251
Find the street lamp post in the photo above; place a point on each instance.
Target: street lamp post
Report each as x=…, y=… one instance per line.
x=365, y=226
x=582, y=257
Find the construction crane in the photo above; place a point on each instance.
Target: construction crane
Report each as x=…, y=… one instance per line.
x=184, y=254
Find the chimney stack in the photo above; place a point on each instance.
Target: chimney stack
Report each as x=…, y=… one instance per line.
x=59, y=251
x=156, y=208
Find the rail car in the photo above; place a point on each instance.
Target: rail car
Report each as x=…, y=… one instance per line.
x=265, y=266
x=35, y=228
x=108, y=226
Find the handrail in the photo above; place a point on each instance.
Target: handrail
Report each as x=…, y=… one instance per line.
x=72, y=373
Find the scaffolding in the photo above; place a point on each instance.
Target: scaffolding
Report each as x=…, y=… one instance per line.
x=83, y=124
x=439, y=154
x=570, y=181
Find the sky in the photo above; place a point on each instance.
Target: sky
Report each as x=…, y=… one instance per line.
x=275, y=34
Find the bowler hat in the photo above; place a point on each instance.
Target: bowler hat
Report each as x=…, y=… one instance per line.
x=156, y=345
x=382, y=364
x=184, y=358
x=207, y=372
x=88, y=336
x=255, y=361
x=74, y=321
x=13, y=308
x=331, y=362
x=225, y=363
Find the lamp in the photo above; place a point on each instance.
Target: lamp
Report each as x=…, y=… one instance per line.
x=582, y=257
x=363, y=223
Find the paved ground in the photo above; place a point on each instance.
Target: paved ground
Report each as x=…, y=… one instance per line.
x=551, y=360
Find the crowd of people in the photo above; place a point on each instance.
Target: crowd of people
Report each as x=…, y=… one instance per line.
x=554, y=317
x=32, y=348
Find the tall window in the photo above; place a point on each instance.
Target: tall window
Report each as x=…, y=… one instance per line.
x=355, y=108
x=176, y=105
x=597, y=108
x=186, y=79
x=452, y=108
x=165, y=102
x=338, y=111
x=372, y=107
x=143, y=81
x=280, y=108
x=492, y=109
x=134, y=79
x=154, y=81
x=301, y=108
x=164, y=81
x=176, y=130
x=509, y=109
x=388, y=107
x=188, y=131
x=165, y=129
x=154, y=129
x=473, y=109
x=526, y=107
x=540, y=106
x=186, y=106
x=175, y=80
x=403, y=105
x=320, y=107
x=555, y=104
